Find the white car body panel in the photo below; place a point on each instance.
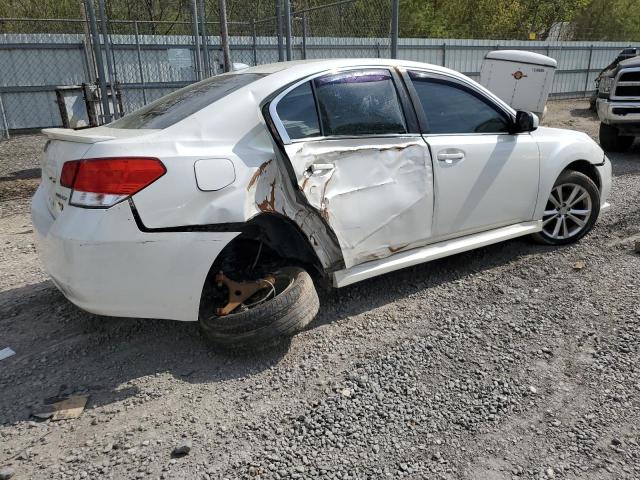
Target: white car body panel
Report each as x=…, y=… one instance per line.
x=495, y=183
x=429, y=253
x=386, y=201
x=103, y=263
x=559, y=148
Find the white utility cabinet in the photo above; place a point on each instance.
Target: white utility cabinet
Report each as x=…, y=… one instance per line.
x=520, y=78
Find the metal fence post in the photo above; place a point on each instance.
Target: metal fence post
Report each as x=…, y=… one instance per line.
x=254, y=41
x=107, y=51
x=106, y=112
x=88, y=51
x=279, y=30
x=3, y=122
x=205, y=41
x=444, y=54
x=224, y=36
x=196, y=39
x=395, y=13
x=137, y=35
x=586, y=80
x=287, y=27
x=304, y=36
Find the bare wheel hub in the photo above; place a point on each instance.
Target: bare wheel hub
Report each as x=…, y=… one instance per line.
x=240, y=292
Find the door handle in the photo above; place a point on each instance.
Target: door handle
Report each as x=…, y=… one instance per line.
x=315, y=168
x=450, y=157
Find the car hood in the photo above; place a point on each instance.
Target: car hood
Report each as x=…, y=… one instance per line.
x=630, y=62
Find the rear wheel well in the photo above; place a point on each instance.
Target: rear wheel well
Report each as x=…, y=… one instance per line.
x=587, y=169
x=267, y=242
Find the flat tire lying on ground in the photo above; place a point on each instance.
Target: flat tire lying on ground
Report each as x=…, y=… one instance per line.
x=270, y=322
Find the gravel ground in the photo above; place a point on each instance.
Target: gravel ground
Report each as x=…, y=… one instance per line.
x=507, y=362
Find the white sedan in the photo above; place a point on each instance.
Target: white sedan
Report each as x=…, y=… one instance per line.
x=220, y=201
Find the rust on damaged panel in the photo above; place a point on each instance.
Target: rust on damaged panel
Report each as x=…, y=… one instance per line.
x=269, y=204
x=256, y=175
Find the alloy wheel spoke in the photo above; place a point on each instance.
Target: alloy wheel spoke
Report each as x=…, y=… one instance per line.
x=553, y=200
x=577, y=221
x=550, y=212
x=556, y=228
x=544, y=222
x=582, y=213
x=572, y=195
x=565, y=231
x=582, y=196
x=559, y=192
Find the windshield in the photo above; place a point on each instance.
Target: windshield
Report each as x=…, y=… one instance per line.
x=178, y=105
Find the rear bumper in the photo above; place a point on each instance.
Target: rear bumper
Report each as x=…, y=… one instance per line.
x=104, y=264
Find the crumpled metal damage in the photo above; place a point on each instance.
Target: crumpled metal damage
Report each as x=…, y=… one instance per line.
x=378, y=199
x=272, y=191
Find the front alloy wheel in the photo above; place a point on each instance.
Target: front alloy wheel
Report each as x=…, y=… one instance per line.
x=572, y=209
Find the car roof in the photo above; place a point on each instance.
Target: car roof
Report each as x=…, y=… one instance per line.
x=278, y=75
x=275, y=78
x=304, y=66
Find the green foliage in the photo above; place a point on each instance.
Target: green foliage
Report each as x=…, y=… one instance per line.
x=491, y=19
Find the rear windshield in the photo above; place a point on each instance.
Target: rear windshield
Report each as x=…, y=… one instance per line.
x=178, y=105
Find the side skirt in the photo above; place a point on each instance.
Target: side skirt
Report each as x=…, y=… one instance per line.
x=434, y=251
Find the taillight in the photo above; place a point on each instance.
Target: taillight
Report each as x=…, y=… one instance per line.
x=68, y=175
x=103, y=182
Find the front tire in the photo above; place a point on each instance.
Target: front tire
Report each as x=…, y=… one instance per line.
x=265, y=325
x=571, y=210
x=612, y=141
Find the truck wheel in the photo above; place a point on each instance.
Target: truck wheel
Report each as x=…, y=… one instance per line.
x=571, y=210
x=284, y=308
x=612, y=141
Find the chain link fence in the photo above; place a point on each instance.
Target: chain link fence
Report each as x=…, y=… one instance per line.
x=49, y=65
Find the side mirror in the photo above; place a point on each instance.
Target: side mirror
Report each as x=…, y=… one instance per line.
x=525, y=122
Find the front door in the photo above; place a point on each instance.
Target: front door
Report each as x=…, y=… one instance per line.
x=485, y=177
x=357, y=162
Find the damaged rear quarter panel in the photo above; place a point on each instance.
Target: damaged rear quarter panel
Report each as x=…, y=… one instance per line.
x=270, y=190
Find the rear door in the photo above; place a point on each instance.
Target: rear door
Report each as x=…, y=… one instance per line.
x=359, y=159
x=485, y=177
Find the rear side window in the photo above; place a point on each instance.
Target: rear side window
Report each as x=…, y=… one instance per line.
x=451, y=108
x=362, y=102
x=297, y=112
x=178, y=105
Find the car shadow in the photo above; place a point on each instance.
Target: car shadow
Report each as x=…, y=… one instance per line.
x=25, y=174
x=584, y=113
x=61, y=349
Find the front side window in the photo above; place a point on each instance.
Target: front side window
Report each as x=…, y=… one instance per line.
x=452, y=108
x=360, y=102
x=178, y=105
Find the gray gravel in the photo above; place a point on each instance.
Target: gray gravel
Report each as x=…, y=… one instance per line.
x=503, y=363
x=20, y=155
